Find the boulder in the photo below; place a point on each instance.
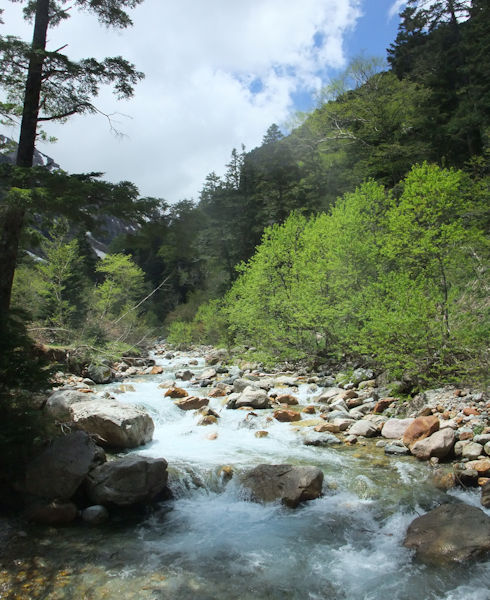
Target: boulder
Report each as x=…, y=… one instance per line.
x=288, y=483
x=216, y=356
x=450, y=533
x=485, y=495
x=132, y=479
x=61, y=468
x=382, y=405
x=184, y=375
x=287, y=399
x=286, y=416
x=58, y=405
x=420, y=428
x=364, y=428
x=191, y=403
x=208, y=374
x=482, y=466
x=315, y=438
x=396, y=449
x=239, y=385
x=328, y=395
x=95, y=515
x=472, y=450
x=208, y=420
x=252, y=397
x=117, y=425
x=439, y=444
x=100, y=373
x=176, y=392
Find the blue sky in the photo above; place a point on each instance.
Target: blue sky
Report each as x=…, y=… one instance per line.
x=218, y=74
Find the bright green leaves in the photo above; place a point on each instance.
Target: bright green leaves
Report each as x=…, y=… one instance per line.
x=396, y=281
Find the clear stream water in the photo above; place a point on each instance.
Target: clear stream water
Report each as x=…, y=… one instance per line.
x=211, y=543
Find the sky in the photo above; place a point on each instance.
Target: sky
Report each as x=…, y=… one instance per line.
x=218, y=73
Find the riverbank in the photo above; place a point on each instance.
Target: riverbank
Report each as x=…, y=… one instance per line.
x=210, y=541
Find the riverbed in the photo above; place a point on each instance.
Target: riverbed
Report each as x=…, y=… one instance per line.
x=210, y=542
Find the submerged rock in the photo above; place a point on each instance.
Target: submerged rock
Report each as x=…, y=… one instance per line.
x=95, y=515
x=450, y=533
x=288, y=483
x=129, y=480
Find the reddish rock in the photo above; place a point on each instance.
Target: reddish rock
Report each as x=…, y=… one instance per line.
x=287, y=399
x=176, y=392
x=212, y=436
x=482, y=466
x=349, y=394
x=446, y=415
x=156, y=370
x=466, y=435
x=217, y=393
x=261, y=434
x=421, y=428
x=439, y=444
x=286, y=416
x=330, y=427
x=382, y=405
x=444, y=480
x=191, y=403
x=309, y=410
x=208, y=420
x=470, y=410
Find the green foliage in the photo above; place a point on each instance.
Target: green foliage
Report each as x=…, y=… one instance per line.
x=397, y=281
x=123, y=284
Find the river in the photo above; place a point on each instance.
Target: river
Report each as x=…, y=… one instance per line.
x=211, y=543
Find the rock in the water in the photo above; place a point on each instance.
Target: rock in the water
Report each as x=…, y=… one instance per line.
x=396, y=449
x=439, y=444
x=53, y=513
x=420, y=428
x=176, y=392
x=364, y=428
x=191, y=403
x=315, y=438
x=287, y=399
x=61, y=468
x=394, y=429
x=288, y=483
x=184, y=375
x=129, y=480
x=208, y=420
x=100, y=373
x=252, y=397
x=450, y=533
x=117, y=425
x=485, y=495
x=261, y=433
x=444, y=480
x=286, y=416
x=482, y=466
x=95, y=515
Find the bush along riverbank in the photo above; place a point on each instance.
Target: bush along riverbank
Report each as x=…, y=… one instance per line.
x=104, y=461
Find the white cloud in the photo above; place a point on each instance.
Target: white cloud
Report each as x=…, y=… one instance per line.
x=396, y=7
x=195, y=104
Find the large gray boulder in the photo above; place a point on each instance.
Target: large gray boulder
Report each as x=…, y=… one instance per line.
x=58, y=405
x=253, y=397
x=116, y=425
x=364, y=428
x=129, y=480
x=100, y=373
x=288, y=483
x=58, y=472
x=450, y=533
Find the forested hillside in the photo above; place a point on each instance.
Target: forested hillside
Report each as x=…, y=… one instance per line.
x=360, y=232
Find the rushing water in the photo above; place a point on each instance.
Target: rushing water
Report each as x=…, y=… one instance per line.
x=211, y=543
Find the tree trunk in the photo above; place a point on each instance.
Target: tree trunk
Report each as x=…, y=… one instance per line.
x=13, y=216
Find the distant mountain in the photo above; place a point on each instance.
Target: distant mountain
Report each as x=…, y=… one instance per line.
x=111, y=226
